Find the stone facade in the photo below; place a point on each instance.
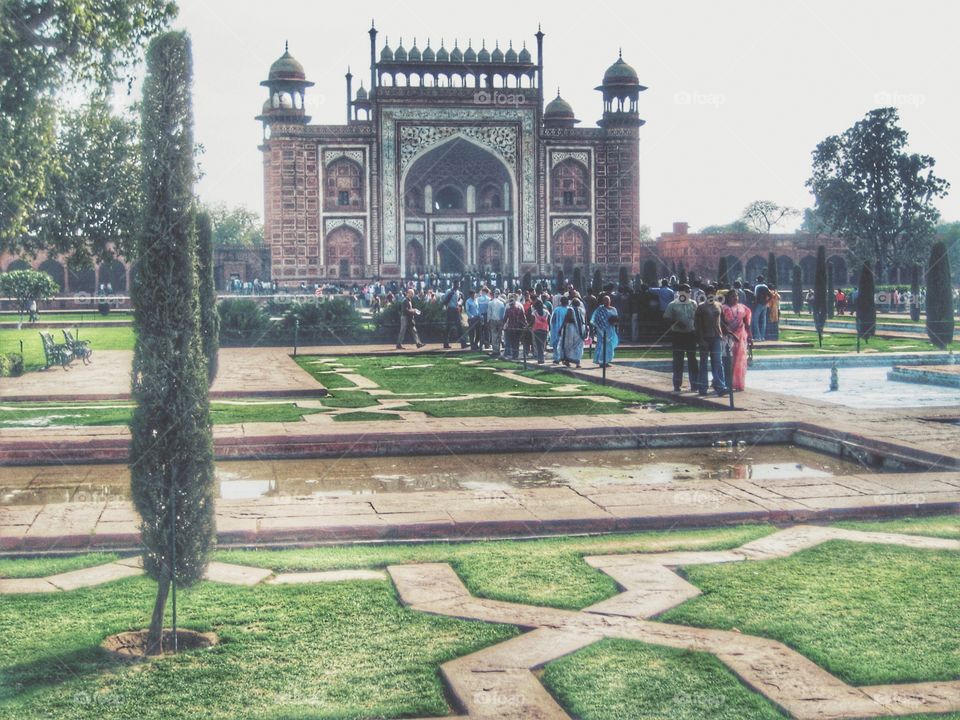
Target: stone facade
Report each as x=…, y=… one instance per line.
x=449, y=162
x=747, y=255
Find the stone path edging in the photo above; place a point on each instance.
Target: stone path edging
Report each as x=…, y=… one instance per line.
x=498, y=682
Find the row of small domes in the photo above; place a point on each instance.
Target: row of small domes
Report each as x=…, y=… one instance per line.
x=456, y=55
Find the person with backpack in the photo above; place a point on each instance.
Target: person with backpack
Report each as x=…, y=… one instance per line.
x=540, y=326
x=452, y=302
x=761, y=294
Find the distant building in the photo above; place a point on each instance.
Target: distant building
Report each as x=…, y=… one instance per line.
x=747, y=255
x=449, y=161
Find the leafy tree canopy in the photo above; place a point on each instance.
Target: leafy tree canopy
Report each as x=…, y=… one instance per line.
x=235, y=227
x=24, y=286
x=873, y=193
x=737, y=226
x=91, y=205
x=45, y=47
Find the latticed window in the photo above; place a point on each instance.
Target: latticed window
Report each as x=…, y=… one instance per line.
x=570, y=186
x=344, y=185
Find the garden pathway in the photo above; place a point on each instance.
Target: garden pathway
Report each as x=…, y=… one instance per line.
x=498, y=682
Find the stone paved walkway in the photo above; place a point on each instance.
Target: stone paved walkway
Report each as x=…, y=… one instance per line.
x=910, y=437
x=498, y=513
x=243, y=372
x=498, y=683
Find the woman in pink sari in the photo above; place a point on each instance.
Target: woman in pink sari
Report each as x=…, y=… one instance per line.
x=736, y=331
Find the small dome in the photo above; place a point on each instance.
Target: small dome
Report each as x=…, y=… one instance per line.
x=620, y=74
x=497, y=54
x=428, y=54
x=414, y=55
x=361, y=93
x=470, y=56
x=525, y=55
x=286, y=67
x=558, y=109
x=442, y=54
x=386, y=55
x=400, y=54
x=511, y=56
x=484, y=54
x=456, y=55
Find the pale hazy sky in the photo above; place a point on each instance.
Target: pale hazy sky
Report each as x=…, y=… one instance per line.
x=740, y=92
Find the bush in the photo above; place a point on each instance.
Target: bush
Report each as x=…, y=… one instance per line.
x=14, y=365
x=242, y=322
x=430, y=322
x=334, y=319
x=940, y=322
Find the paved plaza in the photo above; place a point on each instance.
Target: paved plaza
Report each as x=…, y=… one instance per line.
x=918, y=438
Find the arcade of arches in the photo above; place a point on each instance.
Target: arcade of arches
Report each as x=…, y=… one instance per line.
x=458, y=211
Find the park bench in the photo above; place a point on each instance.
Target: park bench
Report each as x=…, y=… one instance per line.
x=55, y=354
x=80, y=348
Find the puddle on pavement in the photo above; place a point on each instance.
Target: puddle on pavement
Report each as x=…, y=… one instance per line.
x=250, y=479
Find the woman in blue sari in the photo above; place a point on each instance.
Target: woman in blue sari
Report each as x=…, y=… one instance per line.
x=604, y=320
x=556, y=324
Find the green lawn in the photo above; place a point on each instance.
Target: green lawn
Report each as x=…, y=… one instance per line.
x=426, y=378
x=362, y=416
x=41, y=567
x=870, y=614
x=77, y=317
x=342, y=650
x=623, y=680
x=101, y=338
x=85, y=414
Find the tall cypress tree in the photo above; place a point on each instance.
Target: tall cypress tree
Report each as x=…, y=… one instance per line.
x=796, y=290
x=597, y=285
x=171, y=450
x=940, y=319
x=915, y=292
x=722, y=280
x=866, y=303
x=772, y=278
x=831, y=293
x=624, y=278
x=209, y=317
x=820, y=293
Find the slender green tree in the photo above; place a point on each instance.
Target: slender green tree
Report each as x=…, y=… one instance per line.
x=772, y=278
x=597, y=285
x=561, y=281
x=820, y=293
x=940, y=318
x=578, y=279
x=209, y=317
x=682, y=276
x=723, y=279
x=831, y=294
x=915, y=271
x=866, y=303
x=796, y=290
x=171, y=450
x=624, y=278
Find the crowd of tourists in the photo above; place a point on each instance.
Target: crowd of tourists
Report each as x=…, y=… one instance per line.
x=522, y=324
x=704, y=324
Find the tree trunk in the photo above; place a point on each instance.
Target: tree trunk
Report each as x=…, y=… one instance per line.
x=155, y=636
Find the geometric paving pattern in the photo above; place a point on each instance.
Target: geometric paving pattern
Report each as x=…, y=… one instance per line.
x=499, y=682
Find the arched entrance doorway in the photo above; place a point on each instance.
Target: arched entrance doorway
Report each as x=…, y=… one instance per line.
x=450, y=256
x=415, y=257
x=343, y=251
x=569, y=248
x=490, y=256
